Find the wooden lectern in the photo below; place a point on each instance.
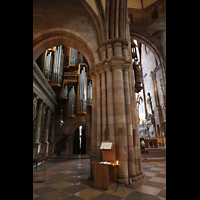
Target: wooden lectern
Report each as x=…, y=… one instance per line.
x=105, y=172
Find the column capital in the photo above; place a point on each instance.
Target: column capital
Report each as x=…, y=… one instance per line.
x=127, y=65
x=109, y=43
x=108, y=66
x=117, y=62
x=40, y=102
x=125, y=44
x=35, y=99
x=92, y=72
x=102, y=67
x=103, y=45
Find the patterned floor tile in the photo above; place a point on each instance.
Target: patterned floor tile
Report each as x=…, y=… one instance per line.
x=43, y=190
x=51, y=181
x=88, y=193
x=162, y=172
x=68, y=180
x=74, y=180
x=148, y=189
x=150, y=174
x=60, y=185
x=38, y=185
x=38, y=198
x=162, y=193
x=121, y=191
x=106, y=196
x=158, y=179
x=72, y=197
x=161, y=175
x=56, y=195
x=73, y=189
x=135, y=195
x=157, y=169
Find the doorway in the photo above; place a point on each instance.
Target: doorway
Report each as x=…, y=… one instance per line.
x=79, y=142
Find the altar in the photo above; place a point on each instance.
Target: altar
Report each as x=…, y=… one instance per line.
x=152, y=142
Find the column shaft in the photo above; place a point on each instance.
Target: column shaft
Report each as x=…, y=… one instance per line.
x=38, y=123
x=129, y=123
x=120, y=122
x=110, y=107
x=103, y=105
x=94, y=127
x=98, y=115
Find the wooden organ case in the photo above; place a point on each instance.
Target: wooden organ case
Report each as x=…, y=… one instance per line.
x=67, y=71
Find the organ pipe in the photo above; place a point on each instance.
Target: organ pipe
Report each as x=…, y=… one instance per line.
x=72, y=102
x=48, y=65
x=90, y=92
x=58, y=65
x=83, y=90
x=65, y=91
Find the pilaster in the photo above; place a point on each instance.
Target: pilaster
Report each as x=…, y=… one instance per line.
x=117, y=64
x=36, y=143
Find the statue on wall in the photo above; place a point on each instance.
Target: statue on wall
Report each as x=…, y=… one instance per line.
x=150, y=121
x=149, y=104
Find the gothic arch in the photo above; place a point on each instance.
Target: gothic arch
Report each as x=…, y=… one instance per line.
x=149, y=44
x=154, y=50
x=59, y=36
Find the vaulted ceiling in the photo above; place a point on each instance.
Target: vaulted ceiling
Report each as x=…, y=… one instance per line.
x=139, y=4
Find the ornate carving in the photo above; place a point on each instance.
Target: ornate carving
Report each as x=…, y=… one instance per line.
x=102, y=67
x=107, y=66
x=97, y=69
x=35, y=98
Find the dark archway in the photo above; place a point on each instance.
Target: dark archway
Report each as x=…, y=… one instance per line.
x=79, y=141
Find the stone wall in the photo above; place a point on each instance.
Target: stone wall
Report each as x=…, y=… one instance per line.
x=151, y=29
x=67, y=15
x=69, y=126
x=149, y=66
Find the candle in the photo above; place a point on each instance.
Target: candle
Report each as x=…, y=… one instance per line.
x=117, y=162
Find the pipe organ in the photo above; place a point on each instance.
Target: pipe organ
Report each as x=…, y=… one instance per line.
x=58, y=65
x=82, y=90
x=67, y=71
x=89, y=93
x=72, y=102
x=48, y=65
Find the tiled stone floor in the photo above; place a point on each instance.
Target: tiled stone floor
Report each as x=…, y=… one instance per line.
x=67, y=179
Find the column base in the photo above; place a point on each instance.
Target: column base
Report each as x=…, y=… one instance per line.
x=51, y=148
x=137, y=177
x=36, y=149
x=44, y=148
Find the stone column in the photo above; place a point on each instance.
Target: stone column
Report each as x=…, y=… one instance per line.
x=35, y=99
x=98, y=113
x=109, y=49
x=52, y=144
x=137, y=152
x=103, y=103
x=103, y=50
x=110, y=107
x=36, y=143
x=45, y=143
x=129, y=118
x=120, y=117
x=118, y=47
x=93, y=131
x=125, y=49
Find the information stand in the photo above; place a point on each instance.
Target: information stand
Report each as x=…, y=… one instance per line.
x=105, y=171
